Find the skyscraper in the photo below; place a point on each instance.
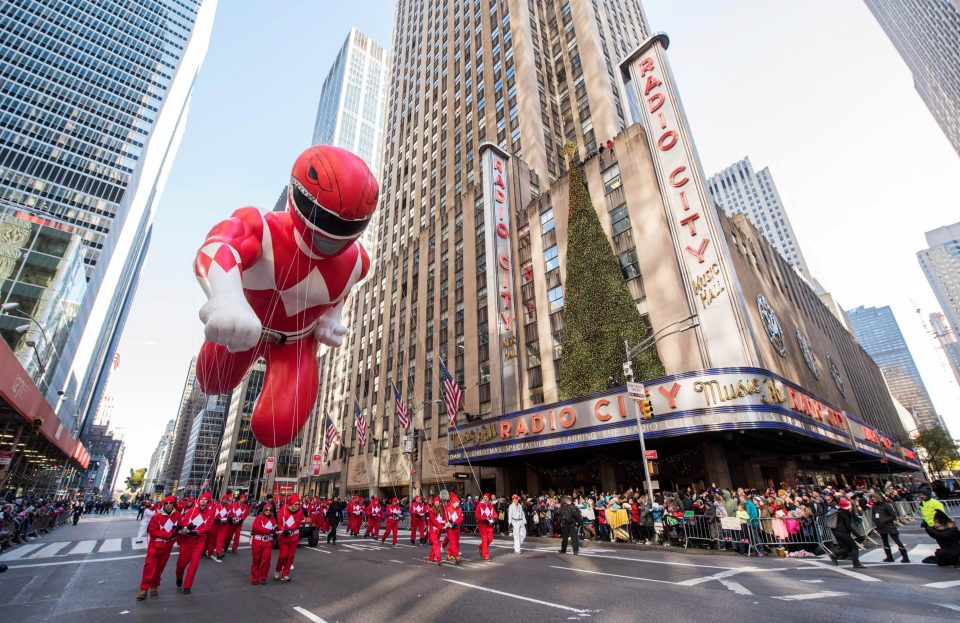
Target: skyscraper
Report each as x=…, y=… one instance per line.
x=235, y=461
x=352, y=102
x=925, y=33
x=95, y=102
x=153, y=478
x=941, y=264
x=878, y=332
x=192, y=400
x=948, y=341
x=738, y=189
x=203, y=445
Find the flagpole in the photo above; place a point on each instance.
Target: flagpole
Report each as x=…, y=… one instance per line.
x=459, y=438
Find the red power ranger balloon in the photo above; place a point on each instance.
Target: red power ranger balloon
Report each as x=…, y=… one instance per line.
x=276, y=285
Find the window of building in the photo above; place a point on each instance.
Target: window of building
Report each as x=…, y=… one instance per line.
x=619, y=219
x=555, y=295
x=546, y=221
x=629, y=264
x=611, y=178
x=551, y=258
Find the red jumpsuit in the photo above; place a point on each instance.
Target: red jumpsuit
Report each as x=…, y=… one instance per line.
x=436, y=522
x=240, y=512
x=454, y=518
x=393, y=522
x=162, y=530
x=290, y=521
x=374, y=515
x=486, y=515
x=355, y=508
x=191, y=545
x=261, y=545
x=319, y=516
x=418, y=520
x=214, y=544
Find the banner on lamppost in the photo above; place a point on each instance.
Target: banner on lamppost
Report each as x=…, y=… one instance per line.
x=268, y=465
x=317, y=461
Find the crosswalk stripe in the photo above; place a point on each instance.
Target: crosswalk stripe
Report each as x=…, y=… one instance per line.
x=142, y=544
x=51, y=549
x=21, y=551
x=110, y=545
x=82, y=547
x=916, y=553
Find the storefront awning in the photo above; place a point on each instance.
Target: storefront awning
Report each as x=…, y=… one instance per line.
x=20, y=393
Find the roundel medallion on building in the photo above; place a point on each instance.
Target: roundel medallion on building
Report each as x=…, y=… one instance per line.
x=835, y=373
x=808, y=355
x=772, y=325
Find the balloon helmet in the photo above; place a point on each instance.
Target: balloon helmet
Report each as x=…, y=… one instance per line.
x=331, y=198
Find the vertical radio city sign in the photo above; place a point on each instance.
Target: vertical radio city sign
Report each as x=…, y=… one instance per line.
x=502, y=305
x=707, y=270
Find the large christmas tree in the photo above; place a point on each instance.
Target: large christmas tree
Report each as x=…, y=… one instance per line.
x=599, y=312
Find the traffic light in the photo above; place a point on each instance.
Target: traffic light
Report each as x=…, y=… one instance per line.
x=646, y=409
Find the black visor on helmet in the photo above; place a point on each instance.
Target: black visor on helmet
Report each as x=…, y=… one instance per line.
x=323, y=219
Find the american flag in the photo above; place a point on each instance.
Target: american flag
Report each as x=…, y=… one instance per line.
x=361, y=424
x=332, y=437
x=451, y=392
x=402, y=414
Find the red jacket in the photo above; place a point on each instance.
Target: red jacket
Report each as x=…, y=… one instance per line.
x=162, y=526
x=635, y=513
x=356, y=509
x=290, y=520
x=264, y=526
x=418, y=509
x=394, y=512
x=485, y=514
x=196, y=519
x=437, y=521
x=240, y=511
x=374, y=510
x=454, y=516
x=220, y=512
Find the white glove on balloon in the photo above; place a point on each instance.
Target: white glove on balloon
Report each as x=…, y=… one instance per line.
x=231, y=322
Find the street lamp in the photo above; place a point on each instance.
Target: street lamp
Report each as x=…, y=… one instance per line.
x=22, y=329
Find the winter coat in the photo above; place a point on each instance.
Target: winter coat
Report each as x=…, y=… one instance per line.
x=570, y=515
x=729, y=504
x=844, y=522
x=885, y=518
x=929, y=508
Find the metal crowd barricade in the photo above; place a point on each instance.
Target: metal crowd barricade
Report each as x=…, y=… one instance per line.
x=776, y=532
x=865, y=526
x=700, y=528
x=469, y=524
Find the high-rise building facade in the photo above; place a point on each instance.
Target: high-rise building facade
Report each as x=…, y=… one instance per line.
x=878, y=332
x=925, y=33
x=352, y=102
x=948, y=342
x=739, y=189
x=94, y=99
x=940, y=262
x=192, y=400
x=203, y=446
x=152, y=480
x=235, y=461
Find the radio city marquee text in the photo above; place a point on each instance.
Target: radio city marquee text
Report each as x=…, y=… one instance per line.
x=687, y=395
x=707, y=284
x=504, y=268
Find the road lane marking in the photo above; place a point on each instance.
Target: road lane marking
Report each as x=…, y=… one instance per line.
x=813, y=581
x=396, y=561
x=309, y=614
x=21, y=551
x=317, y=549
x=82, y=547
x=613, y=575
x=717, y=576
x=84, y=561
x=141, y=545
x=521, y=597
x=843, y=571
x=110, y=545
x=950, y=607
x=947, y=584
x=736, y=587
x=656, y=562
x=820, y=595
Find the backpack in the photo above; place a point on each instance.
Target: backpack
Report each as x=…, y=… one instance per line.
x=830, y=519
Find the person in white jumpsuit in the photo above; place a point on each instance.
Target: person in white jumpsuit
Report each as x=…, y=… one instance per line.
x=518, y=523
x=148, y=514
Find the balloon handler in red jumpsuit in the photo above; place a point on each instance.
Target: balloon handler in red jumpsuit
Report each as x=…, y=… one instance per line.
x=162, y=531
x=288, y=528
x=195, y=524
x=261, y=543
x=276, y=285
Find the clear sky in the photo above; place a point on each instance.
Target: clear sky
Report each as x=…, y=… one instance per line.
x=813, y=89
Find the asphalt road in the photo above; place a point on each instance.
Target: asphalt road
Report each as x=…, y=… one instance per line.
x=91, y=573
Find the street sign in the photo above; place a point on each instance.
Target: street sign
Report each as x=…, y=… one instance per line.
x=628, y=369
x=650, y=455
x=635, y=390
x=461, y=475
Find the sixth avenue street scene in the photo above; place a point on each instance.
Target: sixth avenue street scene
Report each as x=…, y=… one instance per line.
x=471, y=310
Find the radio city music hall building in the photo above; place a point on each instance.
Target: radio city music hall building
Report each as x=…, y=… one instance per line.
x=469, y=266
x=768, y=387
